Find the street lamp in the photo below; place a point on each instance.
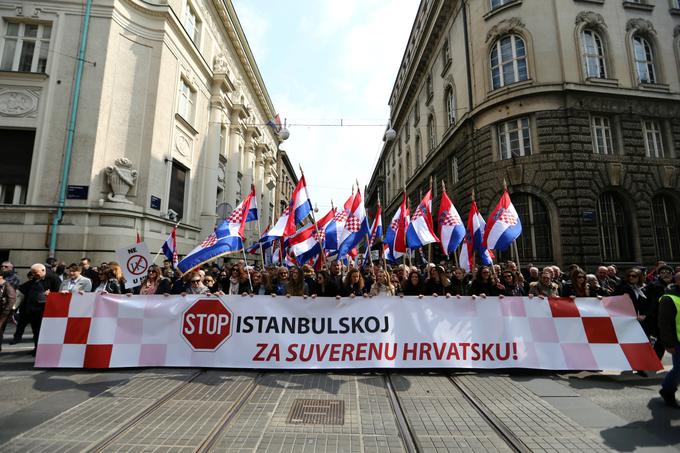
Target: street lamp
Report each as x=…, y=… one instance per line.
x=390, y=133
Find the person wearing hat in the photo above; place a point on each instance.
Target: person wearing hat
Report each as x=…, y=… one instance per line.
x=654, y=291
x=669, y=330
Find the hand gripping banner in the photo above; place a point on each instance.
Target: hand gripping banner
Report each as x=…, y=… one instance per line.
x=110, y=331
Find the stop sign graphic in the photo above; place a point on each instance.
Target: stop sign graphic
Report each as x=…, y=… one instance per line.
x=206, y=324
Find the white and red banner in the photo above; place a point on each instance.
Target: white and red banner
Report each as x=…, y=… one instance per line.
x=109, y=331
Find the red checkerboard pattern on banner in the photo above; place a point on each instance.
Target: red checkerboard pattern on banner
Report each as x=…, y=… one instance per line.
x=236, y=216
x=353, y=225
x=209, y=241
x=109, y=331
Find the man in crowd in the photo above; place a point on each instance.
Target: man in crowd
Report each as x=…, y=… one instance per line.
x=606, y=285
x=35, y=293
x=76, y=281
x=336, y=272
x=654, y=291
x=89, y=272
x=669, y=329
x=11, y=277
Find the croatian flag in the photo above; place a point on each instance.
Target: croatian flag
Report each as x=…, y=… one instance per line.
x=253, y=249
x=170, y=247
x=336, y=226
x=277, y=231
x=451, y=228
x=376, y=232
x=395, y=238
x=300, y=206
x=420, y=232
x=473, y=241
x=252, y=210
x=356, y=228
x=504, y=225
x=304, y=245
x=224, y=240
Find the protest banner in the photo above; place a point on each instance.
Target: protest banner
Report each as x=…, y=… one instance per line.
x=109, y=331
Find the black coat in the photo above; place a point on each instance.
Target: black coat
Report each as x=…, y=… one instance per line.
x=478, y=287
x=329, y=290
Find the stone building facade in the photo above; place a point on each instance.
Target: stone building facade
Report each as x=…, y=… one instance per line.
x=286, y=183
x=575, y=103
x=171, y=125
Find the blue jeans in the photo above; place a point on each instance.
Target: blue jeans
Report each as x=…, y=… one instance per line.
x=672, y=379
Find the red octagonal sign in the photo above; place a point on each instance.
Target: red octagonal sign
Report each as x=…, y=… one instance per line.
x=206, y=324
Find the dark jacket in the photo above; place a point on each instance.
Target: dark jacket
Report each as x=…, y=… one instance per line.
x=329, y=290
x=8, y=296
x=478, y=287
x=352, y=289
x=409, y=289
x=640, y=303
x=460, y=287
x=654, y=291
x=667, y=318
x=93, y=276
x=438, y=288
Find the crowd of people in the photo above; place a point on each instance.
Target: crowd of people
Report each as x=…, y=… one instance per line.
x=653, y=293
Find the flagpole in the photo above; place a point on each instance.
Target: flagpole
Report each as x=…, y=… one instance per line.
x=316, y=228
x=429, y=246
x=245, y=261
x=161, y=249
x=259, y=230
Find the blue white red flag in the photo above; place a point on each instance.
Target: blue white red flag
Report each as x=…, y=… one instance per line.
x=395, y=237
x=473, y=241
x=252, y=210
x=275, y=124
x=306, y=245
x=277, y=231
x=336, y=226
x=356, y=228
x=224, y=240
x=170, y=247
x=253, y=249
x=420, y=232
x=504, y=225
x=451, y=228
x=376, y=232
x=300, y=206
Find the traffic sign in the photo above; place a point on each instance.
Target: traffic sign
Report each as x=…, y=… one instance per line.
x=206, y=324
x=135, y=260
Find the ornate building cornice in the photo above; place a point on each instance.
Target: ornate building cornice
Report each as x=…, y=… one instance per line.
x=504, y=27
x=641, y=25
x=591, y=19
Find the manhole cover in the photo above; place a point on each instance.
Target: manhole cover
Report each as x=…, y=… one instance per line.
x=317, y=412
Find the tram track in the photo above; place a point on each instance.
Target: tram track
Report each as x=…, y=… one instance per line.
x=410, y=439
x=207, y=443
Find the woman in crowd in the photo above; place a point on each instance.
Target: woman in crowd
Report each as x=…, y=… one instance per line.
x=209, y=281
x=578, y=285
x=8, y=297
x=281, y=284
x=544, y=287
x=484, y=284
x=324, y=285
x=437, y=283
x=233, y=284
x=155, y=283
x=197, y=286
x=632, y=285
x=459, y=283
x=413, y=285
x=113, y=281
x=297, y=285
x=354, y=283
x=382, y=285
x=511, y=285
x=259, y=286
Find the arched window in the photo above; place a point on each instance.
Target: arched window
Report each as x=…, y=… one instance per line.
x=450, y=106
x=666, y=227
x=535, y=242
x=508, y=60
x=431, y=143
x=593, y=54
x=615, y=233
x=644, y=60
x=419, y=151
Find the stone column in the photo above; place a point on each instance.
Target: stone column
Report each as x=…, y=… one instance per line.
x=210, y=162
x=233, y=160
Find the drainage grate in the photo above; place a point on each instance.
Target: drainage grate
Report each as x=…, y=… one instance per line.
x=317, y=412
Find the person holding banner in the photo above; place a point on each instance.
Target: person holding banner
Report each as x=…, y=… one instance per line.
x=382, y=286
x=460, y=286
x=155, y=283
x=354, y=284
x=324, y=286
x=484, y=283
x=544, y=287
x=413, y=286
x=438, y=283
x=297, y=285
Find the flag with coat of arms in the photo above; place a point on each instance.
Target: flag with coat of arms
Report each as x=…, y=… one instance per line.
x=473, y=241
x=451, y=228
x=395, y=237
x=299, y=207
x=356, y=228
x=504, y=225
x=420, y=231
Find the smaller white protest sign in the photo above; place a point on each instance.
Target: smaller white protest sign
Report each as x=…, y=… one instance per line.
x=135, y=261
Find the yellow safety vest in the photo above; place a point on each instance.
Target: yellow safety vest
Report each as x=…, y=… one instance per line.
x=676, y=301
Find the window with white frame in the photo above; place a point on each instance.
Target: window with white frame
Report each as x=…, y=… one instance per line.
x=498, y=3
x=450, y=105
x=454, y=170
x=192, y=23
x=593, y=55
x=602, y=135
x=514, y=138
x=25, y=47
x=644, y=60
x=508, y=60
x=187, y=99
x=653, y=138
x=431, y=140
